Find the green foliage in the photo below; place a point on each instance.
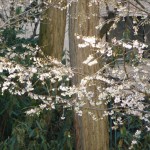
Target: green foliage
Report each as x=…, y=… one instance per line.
x=123, y=135
x=19, y=131
x=46, y=131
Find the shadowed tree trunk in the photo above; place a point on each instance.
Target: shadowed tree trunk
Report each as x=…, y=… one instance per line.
x=90, y=135
x=52, y=35
x=52, y=29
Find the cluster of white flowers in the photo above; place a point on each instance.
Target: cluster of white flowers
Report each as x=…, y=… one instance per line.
x=125, y=85
x=89, y=61
x=48, y=73
x=136, y=137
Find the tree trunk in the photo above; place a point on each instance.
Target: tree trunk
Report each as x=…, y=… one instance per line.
x=52, y=30
x=90, y=134
x=52, y=35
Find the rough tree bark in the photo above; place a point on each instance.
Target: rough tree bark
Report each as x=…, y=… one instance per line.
x=52, y=29
x=52, y=34
x=90, y=135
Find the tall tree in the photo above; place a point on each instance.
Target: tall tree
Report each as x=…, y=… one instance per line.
x=84, y=17
x=52, y=29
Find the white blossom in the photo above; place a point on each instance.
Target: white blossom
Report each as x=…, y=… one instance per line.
x=92, y=62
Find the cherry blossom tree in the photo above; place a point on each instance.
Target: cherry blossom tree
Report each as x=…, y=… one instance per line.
x=109, y=69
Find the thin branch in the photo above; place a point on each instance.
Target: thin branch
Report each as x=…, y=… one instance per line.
x=113, y=108
x=140, y=4
x=139, y=7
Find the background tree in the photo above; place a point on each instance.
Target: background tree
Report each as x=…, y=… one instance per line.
x=52, y=29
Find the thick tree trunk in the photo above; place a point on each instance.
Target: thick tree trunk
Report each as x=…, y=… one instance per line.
x=52, y=30
x=90, y=135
